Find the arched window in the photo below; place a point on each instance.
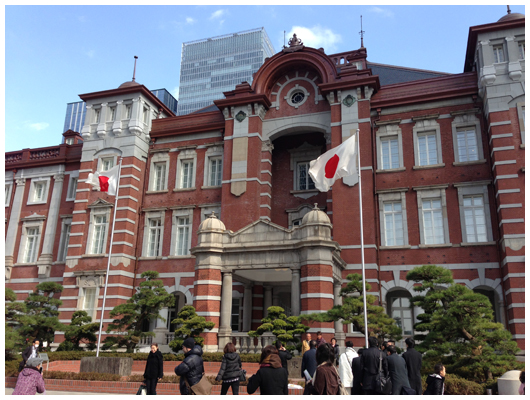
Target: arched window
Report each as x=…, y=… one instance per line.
x=398, y=304
x=490, y=294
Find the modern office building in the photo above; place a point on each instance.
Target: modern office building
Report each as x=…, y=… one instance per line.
x=215, y=65
x=167, y=98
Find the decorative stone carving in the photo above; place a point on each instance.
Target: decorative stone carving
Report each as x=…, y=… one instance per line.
x=240, y=116
x=295, y=41
x=349, y=100
x=249, y=109
x=267, y=146
x=21, y=181
x=327, y=136
x=58, y=177
x=226, y=114
x=8, y=272
x=368, y=91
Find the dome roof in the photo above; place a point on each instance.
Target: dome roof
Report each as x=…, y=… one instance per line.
x=212, y=223
x=511, y=17
x=128, y=84
x=316, y=216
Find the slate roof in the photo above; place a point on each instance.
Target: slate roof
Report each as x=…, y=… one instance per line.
x=390, y=74
x=211, y=107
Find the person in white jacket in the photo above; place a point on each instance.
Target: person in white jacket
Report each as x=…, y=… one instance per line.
x=345, y=371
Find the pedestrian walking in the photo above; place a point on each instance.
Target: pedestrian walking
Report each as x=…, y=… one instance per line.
x=412, y=358
x=345, y=366
x=154, y=369
x=30, y=352
x=192, y=368
x=30, y=381
x=521, y=379
x=284, y=355
x=309, y=360
x=397, y=368
x=336, y=349
x=356, y=370
x=370, y=366
x=320, y=339
x=435, y=382
x=271, y=378
x=305, y=343
x=230, y=370
x=326, y=379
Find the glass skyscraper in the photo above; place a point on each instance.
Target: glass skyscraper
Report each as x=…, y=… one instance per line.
x=215, y=65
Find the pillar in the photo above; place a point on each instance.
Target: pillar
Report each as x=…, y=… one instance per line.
x=161, y=327
x=267, y=300
x=12, y=228
x=339, y=327
x=46, y=258
x=295, y=292
x=247, y=308
x=225, y=329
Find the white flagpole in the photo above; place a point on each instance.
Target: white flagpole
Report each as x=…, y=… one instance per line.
x=362, y=237
x=110, y=254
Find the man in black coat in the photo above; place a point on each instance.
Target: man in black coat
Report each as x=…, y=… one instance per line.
x=412, y=358
x=370, y=366
x=30, y=352
x=191, y=369
x=284, y=355
x=154, y=369
x=309, y=360
x=397, y=369
x=356, y=370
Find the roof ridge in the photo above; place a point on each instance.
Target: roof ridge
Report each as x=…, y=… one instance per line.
x=407, y=68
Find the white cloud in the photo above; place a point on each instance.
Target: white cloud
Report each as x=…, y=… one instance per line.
x=316, y=37
x=218, y=14
x=190, y=20
x=39, y=126
x=382, y=11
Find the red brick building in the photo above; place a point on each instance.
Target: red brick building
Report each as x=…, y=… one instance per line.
x=442, y=169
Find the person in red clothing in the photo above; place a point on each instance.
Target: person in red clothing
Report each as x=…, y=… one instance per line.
x=30, y=380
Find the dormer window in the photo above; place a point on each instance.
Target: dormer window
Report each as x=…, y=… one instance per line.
x=498, y=53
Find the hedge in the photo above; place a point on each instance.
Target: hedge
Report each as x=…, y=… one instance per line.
x=454, y=385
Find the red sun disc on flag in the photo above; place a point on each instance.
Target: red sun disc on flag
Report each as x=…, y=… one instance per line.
x=103, y=183
x=331, y=166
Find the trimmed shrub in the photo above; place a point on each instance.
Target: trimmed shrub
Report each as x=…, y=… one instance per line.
x=81, y=376
x=12, y=368
x=455, y=385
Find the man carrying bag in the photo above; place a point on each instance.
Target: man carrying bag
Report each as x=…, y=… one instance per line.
x=191, y=370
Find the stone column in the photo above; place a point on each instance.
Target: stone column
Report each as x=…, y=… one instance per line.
x=225, y=330
x=339, y=330
x=14, y=219
x=295, y=292
x=161, y=327
x=275, y=298
x=247, y=308
x=46, y=258
x=267, y=300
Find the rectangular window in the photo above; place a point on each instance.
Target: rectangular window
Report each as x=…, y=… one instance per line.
x=112, y=113
x=428, y=154
x=98, y=236
x=216, y=170
x=521, y=50
x=160, y=176
x=153, y=245
x=467, y=144
x=235, y=315
x=39, y=191
x=128, y=111
x=186, y=174
x=69, y=140
x=304, y=179
x=97, y=114
x=393, y=220
x=107, y=163
x=475, y=219
x=8, y=194
x=146, y=113
x=183, y=236
x=389, y=153
x=498, y=53
x=433, y=221
x=65, y=241
x=72, y=188
x=89, y=302
x=32, y=242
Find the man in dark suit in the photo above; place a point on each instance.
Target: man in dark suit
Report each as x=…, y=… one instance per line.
x=309, y=360
x=356, y=370
x=284, y=355
x=397, y=369
x=412, y=358
x=30, y=352
x=370, y=366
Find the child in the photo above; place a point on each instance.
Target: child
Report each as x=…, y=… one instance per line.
x=435, y=382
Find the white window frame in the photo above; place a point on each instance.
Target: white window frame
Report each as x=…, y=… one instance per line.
x=305, y=153
x=112, y=112
x=521, y=46
x=207, y=209
x=467, y=122
x=308, y=177
x=186, y=156
x=66, y=225
x=39, y=181
x=149, y=216
x=389, y=132
x=32, y=222
x=480, y=188
x=9, y=190
x=213, y=153
x=394, y=196
x=95, y=212
x=431, y=193
x=72, y=186
x=400, y=294
x=496, y=54
x=157, y=159
x=104, y=161
x=69, y=141
x=521, y=116
x=423, y=128
x=181, y=213
x=89, y=280
x=127, y=110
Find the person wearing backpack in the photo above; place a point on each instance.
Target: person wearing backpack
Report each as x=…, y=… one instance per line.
x=230, y=370
x=345, y=366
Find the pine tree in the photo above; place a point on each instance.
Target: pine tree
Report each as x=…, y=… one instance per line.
x=142, y=307
x=189, y=325
x=352, y=311
x=42, y=313
x=14, y=311
x=80, y=330
x=458, y=327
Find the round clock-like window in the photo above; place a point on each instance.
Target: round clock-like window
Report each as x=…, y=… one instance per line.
x=297, y=97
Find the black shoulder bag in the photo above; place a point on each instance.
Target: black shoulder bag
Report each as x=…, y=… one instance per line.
x=383, y=384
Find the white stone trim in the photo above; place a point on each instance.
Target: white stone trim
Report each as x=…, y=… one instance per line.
x=128, y=197
x=209, y=314
x=31, y=194
x=184, y=156
x=215, y=298
x=467, y=121
x=511, y=221
x=432, y=193
x=155, y=215
x=317, y=296
x=387, y=132
x=207, y=282
x=503, y=148
x=316, y=279
x=422, y=127
x=480, y=189
x=161, y=157
x=393, y=197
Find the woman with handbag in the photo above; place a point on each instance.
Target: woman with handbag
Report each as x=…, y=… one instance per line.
x=154, y=369
x=271, y=378
x=230, y=371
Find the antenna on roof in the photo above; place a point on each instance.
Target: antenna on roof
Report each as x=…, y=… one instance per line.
x=284, y=39
x=509, y=11
x=134, y=71
x=362, y=33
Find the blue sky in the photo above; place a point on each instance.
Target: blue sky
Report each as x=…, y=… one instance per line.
x=55, y=53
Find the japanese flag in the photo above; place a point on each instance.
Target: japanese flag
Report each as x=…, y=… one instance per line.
x=336, y=163
x=106, y=181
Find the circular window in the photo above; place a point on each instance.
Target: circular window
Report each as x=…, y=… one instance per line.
x=297, y=97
